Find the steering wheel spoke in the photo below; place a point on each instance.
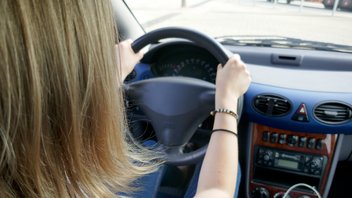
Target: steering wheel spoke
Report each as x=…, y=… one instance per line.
x=176, y=156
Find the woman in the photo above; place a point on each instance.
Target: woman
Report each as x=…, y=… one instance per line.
x=63, y=130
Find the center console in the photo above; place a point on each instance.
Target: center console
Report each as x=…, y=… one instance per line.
x=281, y=158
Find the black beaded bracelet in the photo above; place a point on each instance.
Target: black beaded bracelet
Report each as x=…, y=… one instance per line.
x=222, y=110
x=225, y=130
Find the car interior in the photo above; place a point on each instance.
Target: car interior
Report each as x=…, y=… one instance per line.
x=296, y=117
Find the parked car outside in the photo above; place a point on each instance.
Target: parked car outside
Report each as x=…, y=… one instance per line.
x=343, y=4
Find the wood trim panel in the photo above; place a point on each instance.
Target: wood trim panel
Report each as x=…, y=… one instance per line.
x=327, y=149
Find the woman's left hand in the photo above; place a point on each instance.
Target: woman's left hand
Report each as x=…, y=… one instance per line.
x=127, y=58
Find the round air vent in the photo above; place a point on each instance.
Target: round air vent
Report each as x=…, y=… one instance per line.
x=333, y=113
x=271, y=105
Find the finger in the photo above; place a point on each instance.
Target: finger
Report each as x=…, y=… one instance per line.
x=130, y=41
x=127, y=41
x=219, y=67
x=236, y=56
x=125, y=44
x=233, y=60
x=140, y=54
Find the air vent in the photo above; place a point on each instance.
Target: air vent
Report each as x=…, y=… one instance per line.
x=272, y=105
x=333, y=113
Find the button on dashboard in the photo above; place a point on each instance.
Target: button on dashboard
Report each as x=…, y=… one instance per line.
x=301, y=114
x=311, y=143
x=302, y=141
x=282, y=139
x=266, y=136
x=274, y=137
x=319, y=144
x=292, y=140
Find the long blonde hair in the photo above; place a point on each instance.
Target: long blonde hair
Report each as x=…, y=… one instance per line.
x=62, y=123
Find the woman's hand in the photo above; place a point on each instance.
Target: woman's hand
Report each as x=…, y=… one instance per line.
x=127, y=58
x=218, y=175
x=232, y=81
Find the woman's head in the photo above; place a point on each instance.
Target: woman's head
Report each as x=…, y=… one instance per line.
x=61, y=114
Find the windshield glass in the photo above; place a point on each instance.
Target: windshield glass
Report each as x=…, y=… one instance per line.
x=254, y=20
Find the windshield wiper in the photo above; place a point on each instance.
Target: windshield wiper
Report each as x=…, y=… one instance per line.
x=282, y=42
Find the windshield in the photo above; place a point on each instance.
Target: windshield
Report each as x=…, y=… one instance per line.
x=313, y=20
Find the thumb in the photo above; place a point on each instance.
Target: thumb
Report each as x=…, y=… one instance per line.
x=140, y=54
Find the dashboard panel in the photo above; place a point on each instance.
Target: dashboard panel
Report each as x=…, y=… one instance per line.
x=297, y=97
x=298, y=111
x=303, y=84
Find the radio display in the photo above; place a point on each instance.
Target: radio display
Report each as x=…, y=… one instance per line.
x=287, y=164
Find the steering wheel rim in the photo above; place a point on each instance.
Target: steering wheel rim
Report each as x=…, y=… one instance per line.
x=205, y=91
x=198, y=38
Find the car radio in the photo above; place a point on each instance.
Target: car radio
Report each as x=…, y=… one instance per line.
x=312, y=165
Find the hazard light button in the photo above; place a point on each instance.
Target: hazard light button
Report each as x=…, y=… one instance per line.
x=301, y=114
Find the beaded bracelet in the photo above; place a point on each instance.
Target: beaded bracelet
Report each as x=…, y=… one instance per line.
x=222, y=110
x=225, y=130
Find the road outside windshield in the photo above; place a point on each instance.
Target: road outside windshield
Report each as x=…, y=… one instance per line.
x=313, y=20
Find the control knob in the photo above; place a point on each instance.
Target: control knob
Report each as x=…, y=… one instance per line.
x=315, y=163
x=260, y=192
x=281, y=195
x=267, y=155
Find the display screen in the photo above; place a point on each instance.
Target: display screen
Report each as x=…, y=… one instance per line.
x=287, y=164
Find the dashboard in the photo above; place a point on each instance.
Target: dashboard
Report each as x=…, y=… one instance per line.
x=320, y=85
x=296, y=113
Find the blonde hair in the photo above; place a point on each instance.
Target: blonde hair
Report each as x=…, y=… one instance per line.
x=62, y=123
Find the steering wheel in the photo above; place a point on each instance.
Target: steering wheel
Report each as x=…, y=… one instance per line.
x=177, y=105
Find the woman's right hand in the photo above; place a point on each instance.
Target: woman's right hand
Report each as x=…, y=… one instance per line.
x=232, y=81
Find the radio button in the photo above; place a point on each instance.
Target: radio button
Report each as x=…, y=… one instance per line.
x=277, y=154
x=316, y=163
x=311, y=143
x=319, y=144
x=266, y=157
x=282, y=139
x=274, y=137
x=302, y=141
x=261, y=151
x=292, y=140
x=266, y=136
x=289, y=140
x=307, y=158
